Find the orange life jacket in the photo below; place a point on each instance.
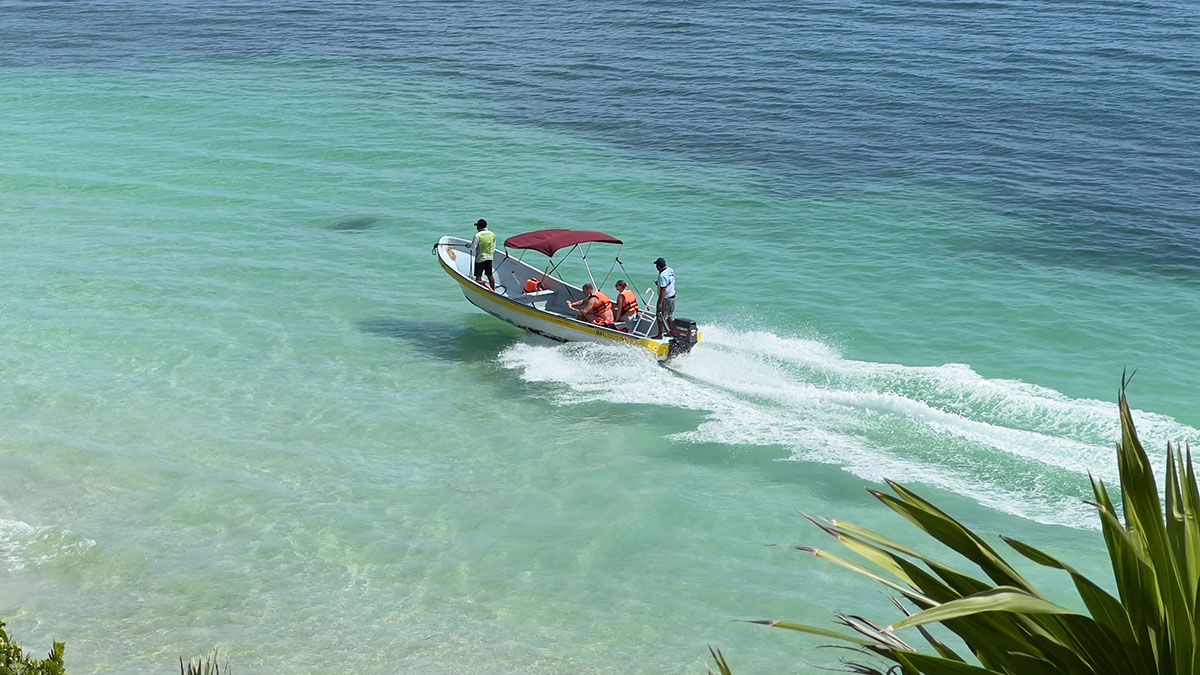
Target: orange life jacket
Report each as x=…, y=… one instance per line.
x=602, y=312
x=533, y=286
x=627, y=302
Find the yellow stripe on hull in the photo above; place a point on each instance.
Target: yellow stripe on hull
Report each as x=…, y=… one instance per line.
x=576, y=330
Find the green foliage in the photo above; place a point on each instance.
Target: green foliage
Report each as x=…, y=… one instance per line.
x=13, y=661
x=722, y=664
x=208, y=665
x=1008, y=626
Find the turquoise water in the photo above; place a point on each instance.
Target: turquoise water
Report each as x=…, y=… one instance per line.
x=244, y=408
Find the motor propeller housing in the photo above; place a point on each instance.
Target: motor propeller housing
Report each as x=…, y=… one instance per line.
x=683, y=336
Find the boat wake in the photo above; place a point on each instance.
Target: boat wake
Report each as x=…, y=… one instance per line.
x=1011, y=446
x=23, y=545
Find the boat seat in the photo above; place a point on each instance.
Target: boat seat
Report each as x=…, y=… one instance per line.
x=536, y=299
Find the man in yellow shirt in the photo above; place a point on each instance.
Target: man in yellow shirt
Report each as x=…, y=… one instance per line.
x=484, y=247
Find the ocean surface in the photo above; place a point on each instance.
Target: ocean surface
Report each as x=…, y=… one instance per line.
x=242, y=407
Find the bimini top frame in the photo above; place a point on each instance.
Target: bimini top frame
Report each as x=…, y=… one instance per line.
x=549, y=242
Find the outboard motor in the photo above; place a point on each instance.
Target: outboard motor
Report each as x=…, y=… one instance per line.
x=683, y=337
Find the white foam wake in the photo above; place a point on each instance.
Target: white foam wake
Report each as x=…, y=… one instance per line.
x=23, y=545
x=1012, y=446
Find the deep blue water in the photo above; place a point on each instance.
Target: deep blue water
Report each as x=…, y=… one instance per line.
x=1076, y=115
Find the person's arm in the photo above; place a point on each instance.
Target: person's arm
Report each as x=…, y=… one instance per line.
x=588, y=304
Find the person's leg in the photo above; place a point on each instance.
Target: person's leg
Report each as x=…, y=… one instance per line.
x=665, y=319
x=478, y=272
x=487, y=267
x=660, y=324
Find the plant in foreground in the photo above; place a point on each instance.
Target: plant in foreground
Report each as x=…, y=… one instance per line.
x=208, y=665
x=1011, y=628
x=13, y=660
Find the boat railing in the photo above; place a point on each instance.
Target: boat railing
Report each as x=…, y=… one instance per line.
x=641, y=324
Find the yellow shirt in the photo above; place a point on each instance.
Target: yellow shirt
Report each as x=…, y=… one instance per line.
x=484, y=244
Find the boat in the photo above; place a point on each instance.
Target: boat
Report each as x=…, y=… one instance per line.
x=543, y=310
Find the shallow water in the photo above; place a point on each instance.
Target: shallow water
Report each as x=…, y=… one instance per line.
x=244, y=408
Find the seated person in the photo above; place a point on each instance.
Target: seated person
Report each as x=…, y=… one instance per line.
x=627, y=304
x=595, y=307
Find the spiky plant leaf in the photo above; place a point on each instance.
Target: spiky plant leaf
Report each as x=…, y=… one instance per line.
x=907, y=591
x=934, y=665
x=1000, y=599
x=813, y=630
x=1104, y=608
x=938, y=646
x=722, y=665
x=937, y=524
x=1008, y=625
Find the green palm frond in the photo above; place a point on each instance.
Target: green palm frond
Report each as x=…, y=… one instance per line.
x=1007, y=625
x=722, y=664
x=208, y=665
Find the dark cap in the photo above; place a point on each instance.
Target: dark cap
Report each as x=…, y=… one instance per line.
x=481, y=223
x=661, y=262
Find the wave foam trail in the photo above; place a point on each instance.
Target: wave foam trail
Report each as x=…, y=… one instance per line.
x=23, y=545
x=1009, y=445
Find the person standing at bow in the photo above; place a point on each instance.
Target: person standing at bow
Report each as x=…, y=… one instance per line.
x=665, y=308
x=594, y=307
x=483, y=246
x=627, y=304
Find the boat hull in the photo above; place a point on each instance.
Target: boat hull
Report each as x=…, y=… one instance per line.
x=525, y=311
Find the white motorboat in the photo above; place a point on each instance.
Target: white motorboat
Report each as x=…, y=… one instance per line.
x=545, y=311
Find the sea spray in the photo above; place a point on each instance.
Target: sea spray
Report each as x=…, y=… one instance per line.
x=1018, y=448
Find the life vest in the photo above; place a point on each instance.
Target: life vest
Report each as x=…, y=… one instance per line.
x=533, y=286
x=602, y=313
x=627, y=302
x=486, y=240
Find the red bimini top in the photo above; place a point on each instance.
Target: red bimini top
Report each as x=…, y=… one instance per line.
x=548, y=242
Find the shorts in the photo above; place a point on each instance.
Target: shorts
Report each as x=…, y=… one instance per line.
x=667, y=313
x=482, y=266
